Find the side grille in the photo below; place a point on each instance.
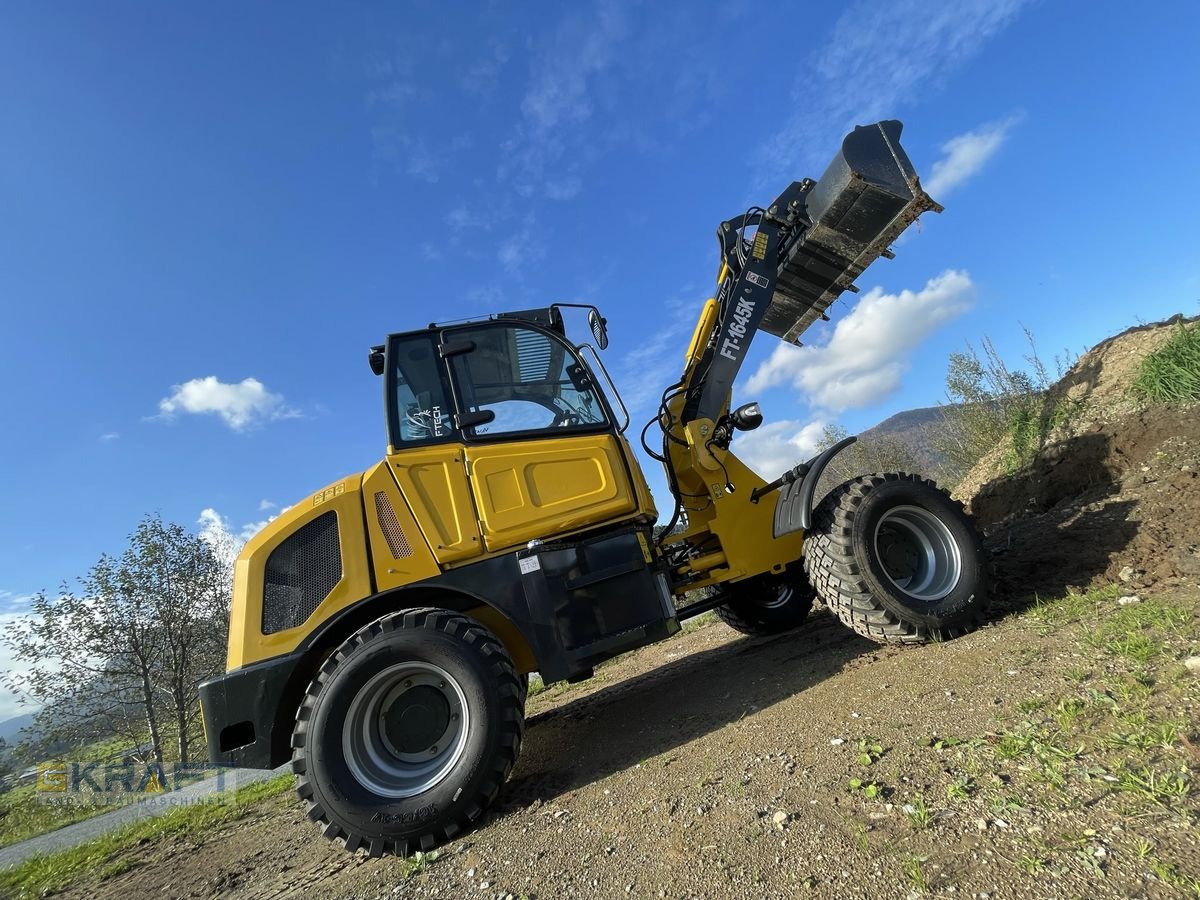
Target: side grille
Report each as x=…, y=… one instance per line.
x=300, y=574
x=397, y=541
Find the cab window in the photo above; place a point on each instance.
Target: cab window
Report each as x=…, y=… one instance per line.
x=421, y=411
x=526, y=379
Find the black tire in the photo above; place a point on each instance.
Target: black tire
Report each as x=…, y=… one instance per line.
x=352, y=686
x=768, y=604
x=872, y=515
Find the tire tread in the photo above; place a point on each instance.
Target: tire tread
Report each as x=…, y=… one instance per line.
x=511, y=724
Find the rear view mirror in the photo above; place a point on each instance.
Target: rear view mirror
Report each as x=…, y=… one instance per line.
x=599, y=326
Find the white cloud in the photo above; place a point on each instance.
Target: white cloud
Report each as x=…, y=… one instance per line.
x=582, y=49
x=868, y=353
x=656, y=359
x=267, y=505
x=965, y=155
x=880, y=55
x=564, y=189
x=573, y=66
x=239, y=405
x=223, y=536
x=423, y=165
x=13, y=609
x=109, y=436
x=523, y=247
x=773, y=448
x=482, y=77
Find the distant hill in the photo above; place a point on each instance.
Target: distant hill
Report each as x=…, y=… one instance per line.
x=10, y=729
x=914, y=428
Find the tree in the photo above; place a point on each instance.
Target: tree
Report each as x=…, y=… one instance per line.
x=992, y=404
x=863, y=457
x=125, y=654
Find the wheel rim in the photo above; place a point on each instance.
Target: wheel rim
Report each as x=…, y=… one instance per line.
x=776, y=596
x=406, y=729
x=918, y=553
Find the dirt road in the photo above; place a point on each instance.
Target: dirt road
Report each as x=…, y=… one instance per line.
x=810, y=764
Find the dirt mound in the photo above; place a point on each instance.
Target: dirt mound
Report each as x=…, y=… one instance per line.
x=1115, y=490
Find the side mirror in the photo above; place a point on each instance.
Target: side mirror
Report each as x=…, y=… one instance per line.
x=746, y=417
x=599, y=326
x=375, y=358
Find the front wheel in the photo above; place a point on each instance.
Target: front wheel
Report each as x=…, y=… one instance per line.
x=897, y=560
x=768, y=604
x=407, y=732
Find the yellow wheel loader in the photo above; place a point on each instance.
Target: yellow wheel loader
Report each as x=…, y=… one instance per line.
x=383, y=629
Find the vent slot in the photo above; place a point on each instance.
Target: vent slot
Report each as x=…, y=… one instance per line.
x=300, y=573
x=397, y=541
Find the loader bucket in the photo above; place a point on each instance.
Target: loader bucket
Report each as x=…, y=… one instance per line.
x=864, y=201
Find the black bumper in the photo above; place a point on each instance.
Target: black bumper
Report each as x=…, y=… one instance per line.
x=242, y=711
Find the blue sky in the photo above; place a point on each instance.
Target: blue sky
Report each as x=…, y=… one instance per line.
x=209, y=212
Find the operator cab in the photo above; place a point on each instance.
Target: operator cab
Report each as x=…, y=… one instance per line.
x=499, y=433
x=506, y=378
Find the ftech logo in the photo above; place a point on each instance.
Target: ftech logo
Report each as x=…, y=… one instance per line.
x=732, y=346
x=51, y=778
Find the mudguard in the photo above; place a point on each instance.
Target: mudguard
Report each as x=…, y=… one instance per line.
x=794, y=505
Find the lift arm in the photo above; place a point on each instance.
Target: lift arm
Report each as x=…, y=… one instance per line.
x=809, y=246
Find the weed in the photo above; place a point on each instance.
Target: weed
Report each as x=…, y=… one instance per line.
x=993, y=404
x=417, y=863
x=914, y=871
x=961, y=788
x=1030, y=705
x=1068, y=711
x=1171, y=374
x=1031, y=864
x=920, y=816
x=871, y=790
x=1162, y=789
x=1145, y=737
x=869, y=750
x=1005, y=805
x=1169, y=873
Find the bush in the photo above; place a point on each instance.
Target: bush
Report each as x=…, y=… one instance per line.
x=992, y=404
x=1171, y=374
x=879, y=454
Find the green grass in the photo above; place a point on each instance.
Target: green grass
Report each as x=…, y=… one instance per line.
x=1050, y=615
x=1141, y=632
x=914, y=870
x=104, y=857
x=920, y=816
x=23, y=815
x=700, y=621
x=1171, y=374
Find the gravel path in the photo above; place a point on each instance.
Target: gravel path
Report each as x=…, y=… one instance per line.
x=89, y=829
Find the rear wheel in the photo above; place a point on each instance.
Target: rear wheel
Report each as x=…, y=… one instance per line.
x=407, y=732
x=897, y=560
x=768, y=604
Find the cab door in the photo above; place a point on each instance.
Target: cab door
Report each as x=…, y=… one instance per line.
x=425, y=453
x=542, y=453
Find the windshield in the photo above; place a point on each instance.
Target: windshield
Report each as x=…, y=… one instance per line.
x=528, y=380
